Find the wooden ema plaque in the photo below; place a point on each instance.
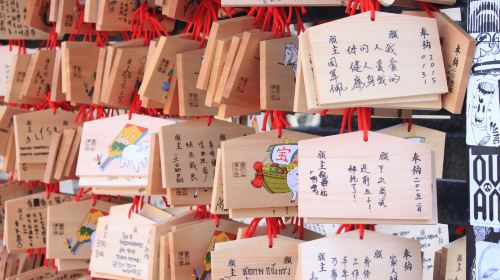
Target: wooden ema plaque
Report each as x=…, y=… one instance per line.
x=70, y=227
x=34, y=131
x=383, y=178
x=26, y=218
x=253, y=259
x=117, y=146
x=188, y=151
x=356, y=59
x=13, y=15
x=458, y=50
x=261, y=170
x=377, y=255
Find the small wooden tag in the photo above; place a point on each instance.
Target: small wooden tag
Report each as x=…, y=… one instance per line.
x=191, y=246
x=454, y=257
x=188, y=151
x=39, y=73
x=380, y=256
x=30, y=213
x=218, y=30
x=14, y=15
x=217, y=203
x=431, y=238
x=70, y=227
x=117, y=146
x=261, y=170
x=374, y=180
x=253, y=259
x=191, y=99
x=349, y=69
x=159, y=74
x=10, y=191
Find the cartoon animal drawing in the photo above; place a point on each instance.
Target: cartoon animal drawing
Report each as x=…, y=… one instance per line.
x=292, y=179
x=86, y=230
x=137, y=154
x=484, y=16
x=483, y=92
x=291, y=57
x=281, y=174
x=129, y=135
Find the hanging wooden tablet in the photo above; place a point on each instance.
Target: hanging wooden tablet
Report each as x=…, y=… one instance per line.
x=353, y=71
x=91, y=11
x=70, y=227
x=191, y=99
x=125, y=76
x=220, y=29
x=431, y=238
x=102, y=79
x=188, y=151
x=131, y=256
x=82, y=72
x=14, y=14
x=253, y=259
x=171, y=106
x=217, y=201
x=67, y=17
x=10, y=154
x=64, y=149
x=159, y=73
x=65, y=75
x=39, y=73
x=34, y=132
x=117, y=146
x=56, y=93
x=226, y=70
x=220, y=54
x=261, y=170
x=53, y=10
x=37, y=15
x=278, y=72
x=453, y=259
x=25, y=220
x=180, y=9
x=243, y=82
x=383, y=178
x=164, y=254
x=115, y=15
x=458, y=50
x=6, y=64
x=6, y=122
x=10, y=191
x=421, y=134
x=71, y=162
x=51, y=158
x=378, y=255
x=191, y=246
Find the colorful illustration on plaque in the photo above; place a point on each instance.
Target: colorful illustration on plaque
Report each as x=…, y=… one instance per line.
x=127, y=147
x=166, y=85
x=291, y=57
x=414, y=138
x=280, y=175
x=85, y=231
x=218, y=237
x=483, y=112
x=89, y=90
